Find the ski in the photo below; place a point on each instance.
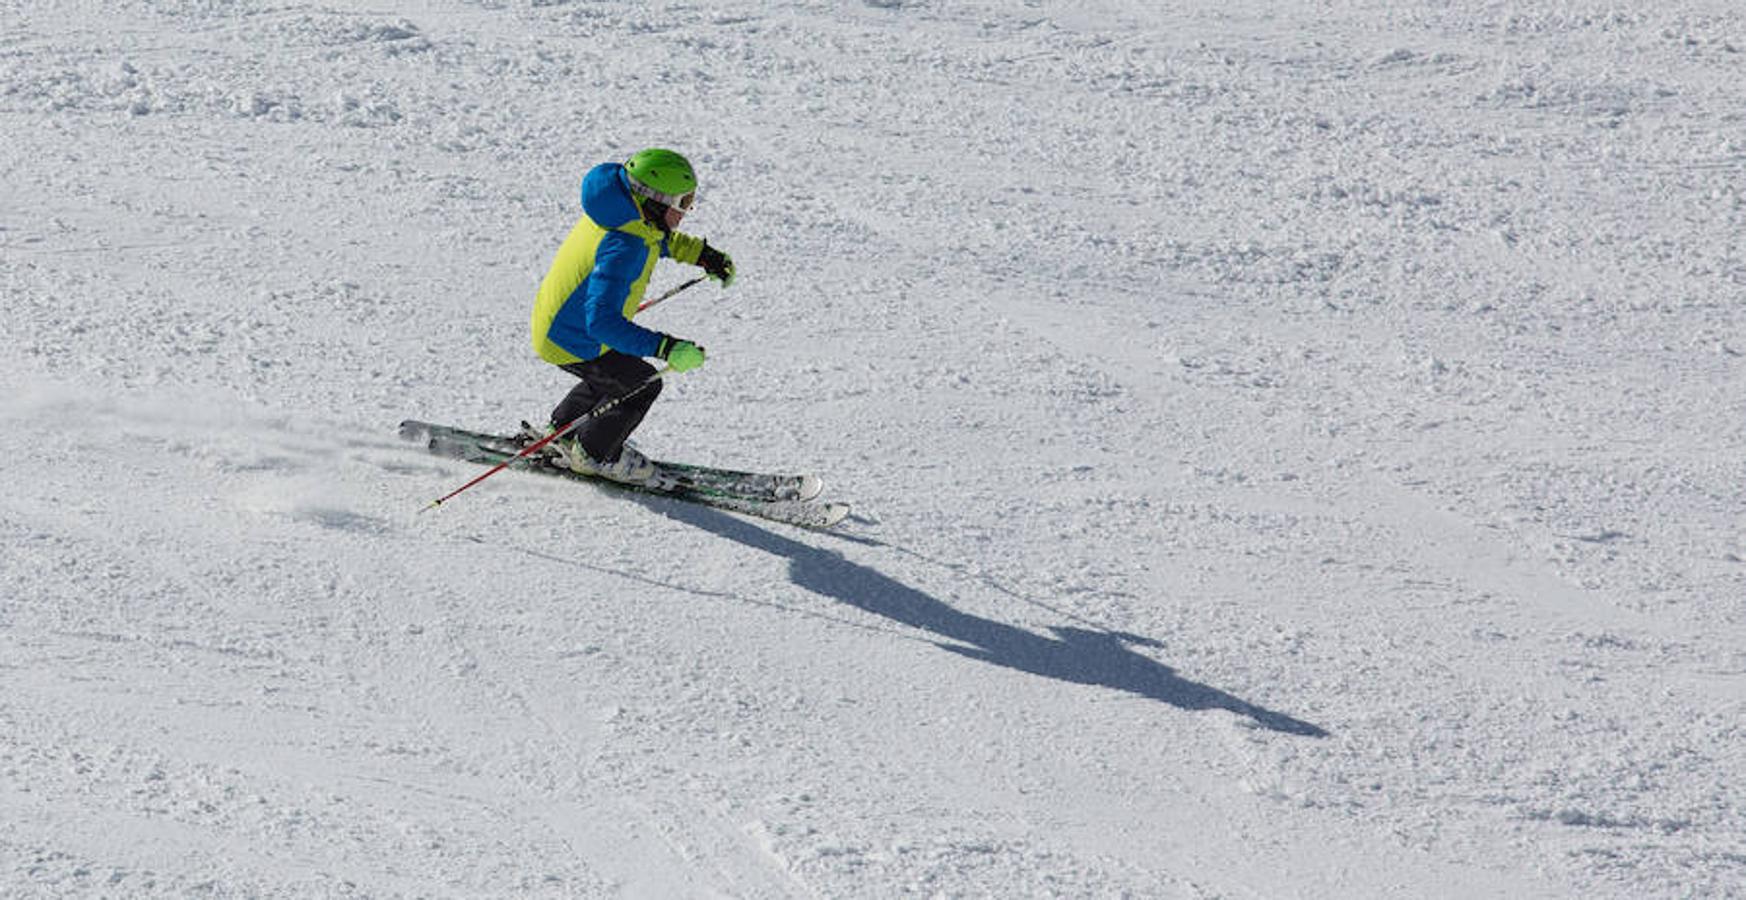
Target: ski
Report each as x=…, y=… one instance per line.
x=752, y=485
x=746, y=484
x=778, y=498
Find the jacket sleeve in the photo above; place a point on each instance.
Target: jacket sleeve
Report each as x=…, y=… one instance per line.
x=617, y=263
x=682, y=247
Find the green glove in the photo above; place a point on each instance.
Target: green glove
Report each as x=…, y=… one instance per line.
x=683, y=356
x=719, y=265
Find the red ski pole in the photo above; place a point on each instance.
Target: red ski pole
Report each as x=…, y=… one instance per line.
x=648, y=303
x=536, y=445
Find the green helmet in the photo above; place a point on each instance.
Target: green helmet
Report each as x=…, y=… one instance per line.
x=662, y=175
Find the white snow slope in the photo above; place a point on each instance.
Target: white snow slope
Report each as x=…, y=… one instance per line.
x=1298, y=450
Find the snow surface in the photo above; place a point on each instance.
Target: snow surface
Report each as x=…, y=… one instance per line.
x=1299, y=450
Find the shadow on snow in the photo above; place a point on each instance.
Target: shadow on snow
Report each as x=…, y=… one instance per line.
x=1076, y=655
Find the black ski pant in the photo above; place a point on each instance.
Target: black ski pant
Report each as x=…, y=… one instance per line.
x=606, y=378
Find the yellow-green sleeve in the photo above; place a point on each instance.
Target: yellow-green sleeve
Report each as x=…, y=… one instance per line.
x=684, y=248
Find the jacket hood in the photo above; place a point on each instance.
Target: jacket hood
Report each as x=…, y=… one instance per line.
x=606, y=196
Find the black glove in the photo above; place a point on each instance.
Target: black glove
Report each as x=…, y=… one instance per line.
x=717, y=264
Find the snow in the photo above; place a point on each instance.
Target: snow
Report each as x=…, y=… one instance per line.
x=1298, y=450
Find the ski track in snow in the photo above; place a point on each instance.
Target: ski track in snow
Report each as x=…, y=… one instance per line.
x=1297, y=450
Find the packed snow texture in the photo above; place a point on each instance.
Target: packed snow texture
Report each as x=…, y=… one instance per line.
x=1298, y=450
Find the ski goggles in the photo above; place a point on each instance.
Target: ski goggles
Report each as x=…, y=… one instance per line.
x=681, y=202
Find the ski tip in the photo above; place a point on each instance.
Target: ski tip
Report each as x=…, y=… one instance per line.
x=811, y=486
x=834, y=514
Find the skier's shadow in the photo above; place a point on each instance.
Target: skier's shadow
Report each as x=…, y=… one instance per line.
x=1078, y=655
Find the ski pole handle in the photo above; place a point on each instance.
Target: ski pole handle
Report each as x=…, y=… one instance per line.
x=648, y=303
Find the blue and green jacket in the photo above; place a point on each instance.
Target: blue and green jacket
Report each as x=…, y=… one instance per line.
x=597, y=280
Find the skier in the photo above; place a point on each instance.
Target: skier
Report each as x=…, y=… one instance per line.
x=582, y=319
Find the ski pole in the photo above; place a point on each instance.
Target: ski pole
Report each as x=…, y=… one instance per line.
x=648, y=303
x=568, y=426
